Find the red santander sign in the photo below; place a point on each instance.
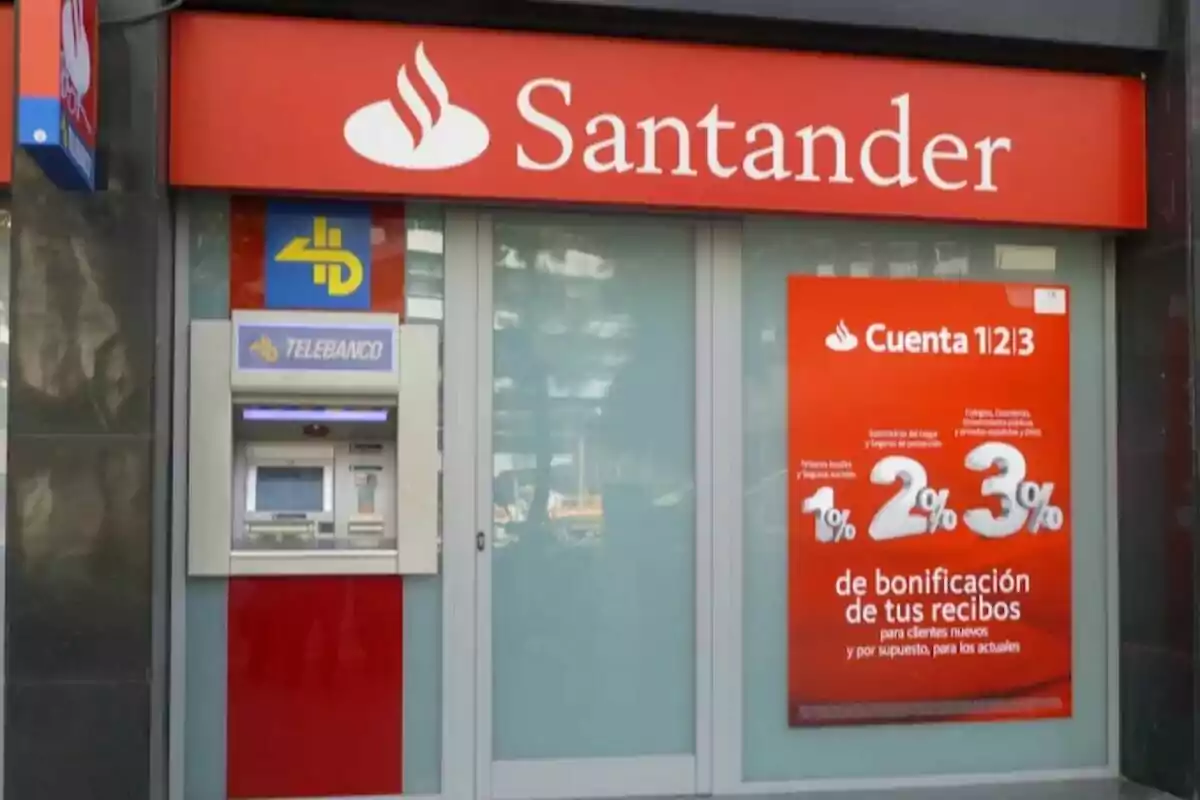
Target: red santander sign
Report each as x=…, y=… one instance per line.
x=512, y=116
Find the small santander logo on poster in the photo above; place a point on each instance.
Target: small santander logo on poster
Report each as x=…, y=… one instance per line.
x=841, y=340
x=419, y=129
x=929, y=516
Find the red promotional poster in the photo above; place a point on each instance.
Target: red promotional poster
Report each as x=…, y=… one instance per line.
x=929, y=522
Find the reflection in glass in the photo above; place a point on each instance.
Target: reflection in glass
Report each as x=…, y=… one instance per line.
x=952, y=259
x=903, y=259
x=861, y=259
x=593, y=580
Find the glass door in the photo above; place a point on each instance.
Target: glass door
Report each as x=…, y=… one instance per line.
x=593, y=556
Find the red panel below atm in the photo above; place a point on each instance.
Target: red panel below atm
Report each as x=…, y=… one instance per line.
x=315, y=686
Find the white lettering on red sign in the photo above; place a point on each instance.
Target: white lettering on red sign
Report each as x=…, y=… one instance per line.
x=812, y=154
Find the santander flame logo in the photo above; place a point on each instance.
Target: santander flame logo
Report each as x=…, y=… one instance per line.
x=438, y=135
x=841, y=340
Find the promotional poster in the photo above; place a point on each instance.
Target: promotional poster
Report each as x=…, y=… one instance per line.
x=929, y=566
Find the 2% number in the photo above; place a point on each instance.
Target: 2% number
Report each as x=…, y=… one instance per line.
x=933, y=504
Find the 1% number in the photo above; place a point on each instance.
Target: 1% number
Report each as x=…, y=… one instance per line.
x=918, y=509
x=833, y=524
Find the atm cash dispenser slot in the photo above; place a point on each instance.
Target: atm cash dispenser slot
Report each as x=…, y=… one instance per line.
x=313, y=468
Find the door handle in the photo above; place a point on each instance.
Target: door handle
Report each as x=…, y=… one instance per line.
x=480, y=541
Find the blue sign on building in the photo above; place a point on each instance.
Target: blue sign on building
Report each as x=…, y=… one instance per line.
x=352, y=348
x=318, y=255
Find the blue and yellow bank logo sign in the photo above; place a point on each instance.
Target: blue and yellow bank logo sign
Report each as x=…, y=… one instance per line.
x=318, y=255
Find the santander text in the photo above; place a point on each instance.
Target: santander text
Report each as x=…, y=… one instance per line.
x=812, y=154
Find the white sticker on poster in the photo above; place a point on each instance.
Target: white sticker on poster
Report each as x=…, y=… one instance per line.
x=1048, y=300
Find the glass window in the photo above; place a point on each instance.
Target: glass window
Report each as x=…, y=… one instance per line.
x=775, y=249
x=593, y=568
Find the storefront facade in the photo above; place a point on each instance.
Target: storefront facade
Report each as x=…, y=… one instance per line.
x=790, y=408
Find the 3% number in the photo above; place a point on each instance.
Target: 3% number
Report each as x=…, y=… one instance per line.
x=1023, y=504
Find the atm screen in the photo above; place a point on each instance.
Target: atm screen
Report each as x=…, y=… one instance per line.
x=294, y=489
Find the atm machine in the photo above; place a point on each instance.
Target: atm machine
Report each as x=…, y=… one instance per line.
x=313, y=442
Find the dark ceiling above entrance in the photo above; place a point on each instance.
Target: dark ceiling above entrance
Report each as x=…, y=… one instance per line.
x=1126, y=24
